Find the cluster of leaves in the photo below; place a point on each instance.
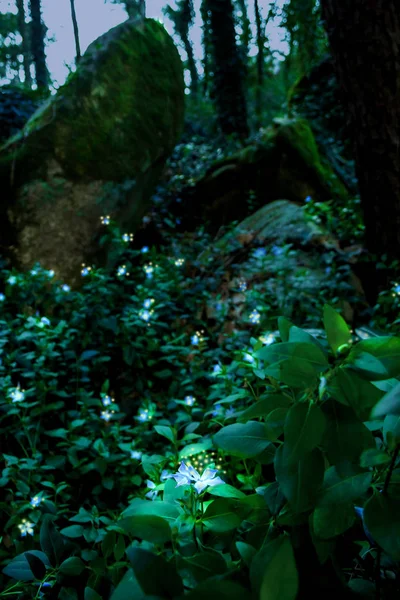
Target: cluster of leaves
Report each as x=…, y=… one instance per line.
x=16, y=107
x=277, y=448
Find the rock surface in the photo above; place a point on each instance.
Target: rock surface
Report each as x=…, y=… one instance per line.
x=283, y=163
x=111, y=126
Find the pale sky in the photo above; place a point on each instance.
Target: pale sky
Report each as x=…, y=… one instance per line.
x=96, y=17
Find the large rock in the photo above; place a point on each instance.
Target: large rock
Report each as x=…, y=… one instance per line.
x=283, y=163
x=98, y=147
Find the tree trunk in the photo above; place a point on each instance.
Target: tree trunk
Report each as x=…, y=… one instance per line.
x=246, y=27
x=76, y=31
x=228, y=70
x=194, y=77
x=260, y=59
x=37, y=45
x=365, y=39
x=23, y=30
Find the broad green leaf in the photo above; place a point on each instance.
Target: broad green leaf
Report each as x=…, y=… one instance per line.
x=388, y=405
x=351, y=390
x=20, y=569
x=72, y=566
x=205, y=564
x=285, y=350
x=51, y=541
x=167, y=432
x=128, y=587
x=244, y=440
x=304, y=427
x=343, y=487
x=275, y=422
x=391, y=431
x=337, y=330
x=376, y=358
x=193, y=449
x=38, y=568
x=345, y=437
x=222, y=515
x=155, y=575
x=260, y=561
x=382, y=519
x=225, y=490
x=264, y=407
x=147, y=527
x=300, y=480
x=169, y=512
x=284, y=326
x=294, y=372
x=281, y=580
x=91, y=594
x=373, y=457
x=247, y=552
x=73, y=531
x=331, y=521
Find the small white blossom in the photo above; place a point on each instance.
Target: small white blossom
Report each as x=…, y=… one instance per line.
x=248, y=358
x=242, y=285
x=307, y=199
x=26, y=528
x=122, y=271
x=217, y=369
x=34, y=272
x=190, y=400
x=45, y=321
x=35, y=501
x=145, y=315
x=127, y=237
x=144, y=416
x=12, y=280
x=17, y=395
x=179, y=262
x=105, y=220
x=149, y=270
x=2, y=297
x=254, y=317
x=107, y=400
x=85, y=270
x=397, y=289
x=144, y=250
x=153, y=492
x=148, y=303
x=260, y=252
x=186, y=475
x=66, y=288
x=50, y=273
x=268, y=339
x=194, y=340
x=136, y=455
x=106, y=415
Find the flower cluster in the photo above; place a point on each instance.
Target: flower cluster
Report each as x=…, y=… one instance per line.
x=188, y=475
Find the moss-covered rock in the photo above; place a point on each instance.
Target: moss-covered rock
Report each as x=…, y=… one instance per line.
x=283, y=163
x=117, y=118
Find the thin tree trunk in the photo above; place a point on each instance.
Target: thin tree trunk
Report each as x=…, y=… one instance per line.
x=194, y=76
x=246, y=27
x=37, y=45
x=228, y=70
x=365, y=40
x=23, y=30
x=260, y=59
x=76, y=31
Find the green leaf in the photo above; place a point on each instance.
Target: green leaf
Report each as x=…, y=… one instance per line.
x=119, y=549
x=337, y=330
x=281, y=580
x=167, y=432
x=155, y=575
x=331, y=521
x=222, y=515
x=345, y=436
x=275, y=422
x=304, y=427
x=376, y=358
x=300, y=480
x=224, y=490
x=351, y=390
x=193, y=449
x=344, y=487
x=294, y=372
x=128, y=588
x=301, y=350
x=147, y=527
x=37, y=566
x=90, y=594
x=247, y=552
x=388, y=405
x=243, y=440
x=169, y=512
x=72, y=566
x=264, y=407
x=205, y=564
x=51, y=541
x=284, y=326
x=108, y=543
x=73, y=531
x=382, y=519
x=373, y=457
x=20, y=569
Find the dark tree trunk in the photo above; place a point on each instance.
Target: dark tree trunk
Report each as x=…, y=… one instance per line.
x=37, y=45
x=206, y=41
x=26, y=53
x=246, y=27
x=365, y=39
x=260, y=59
x=194, y=77
x=76, y=31
x=228, y=70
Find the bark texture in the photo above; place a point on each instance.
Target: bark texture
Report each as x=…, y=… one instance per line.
x=37, y=45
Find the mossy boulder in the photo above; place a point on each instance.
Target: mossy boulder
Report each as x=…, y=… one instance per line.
x=111, y=126
x=284, y=162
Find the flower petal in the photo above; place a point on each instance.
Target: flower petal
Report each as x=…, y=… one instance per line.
x=200, y=486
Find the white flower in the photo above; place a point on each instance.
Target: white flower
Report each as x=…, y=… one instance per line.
x=50, y=273
x=144, y=416
x=190, y=400
x=165, y=475
x=277, y=250
x=127, y=237
x=145, y=315
x=106, y=415
x=121, y=271
x=217, y=410
x=35, y=501
x=45, y=321
x=17, y=395
x=307, y=199
x=217, y=369
x=2, y=297
x=248, y=358
x=12, y=280
x=105, y=220
x=268, y=339
x=85, y=270
x=153, y=492
x=26, y=528
x=149, y=270
x=136, y=455
x=230, y=412
x=66, y=288
x=179, y=262
x=260, y=252
x=147, y=303
x=397, y=289
x=194, y=340
x=188, y=474
x=144, y=250
x=33, y=272
x=106, y=400
x=254, y=317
